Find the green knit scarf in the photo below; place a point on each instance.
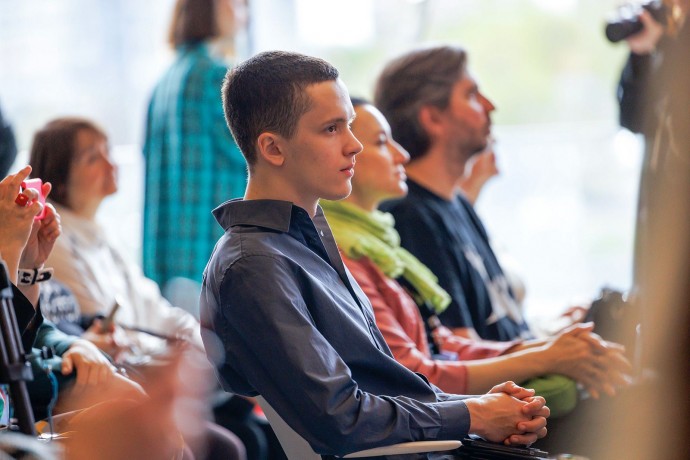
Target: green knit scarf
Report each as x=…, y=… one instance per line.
x=372, y=234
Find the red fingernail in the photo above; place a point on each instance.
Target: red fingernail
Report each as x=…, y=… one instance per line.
x=21, y=200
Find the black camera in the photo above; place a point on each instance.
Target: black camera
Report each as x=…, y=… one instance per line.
x=627, y=20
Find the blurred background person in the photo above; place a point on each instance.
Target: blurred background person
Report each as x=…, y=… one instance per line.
x=83, y=376
x=644, y=87
x=661, y=290
x=192, y=162
x=74, y=155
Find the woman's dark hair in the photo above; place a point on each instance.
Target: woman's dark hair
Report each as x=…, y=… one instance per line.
x=193, y=21
x=53, y=151
x=357, y=101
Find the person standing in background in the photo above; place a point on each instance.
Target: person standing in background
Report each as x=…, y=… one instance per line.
x=192, y=161
x=646, y=85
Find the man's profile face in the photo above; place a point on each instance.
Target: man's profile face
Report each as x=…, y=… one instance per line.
x=467, y=119
x=320, y=156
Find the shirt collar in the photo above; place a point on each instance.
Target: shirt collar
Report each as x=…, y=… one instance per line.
x=271, y=214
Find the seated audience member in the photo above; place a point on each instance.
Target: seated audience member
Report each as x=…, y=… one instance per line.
x=73, y=154
x=370, y=248
x=443, y=122
x=85, y=375
x=87, y=381
x=319, y=360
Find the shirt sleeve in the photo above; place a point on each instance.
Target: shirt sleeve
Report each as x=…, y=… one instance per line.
x=28, y=318
x=50, y=336
x=633, y=92
x=420, y=236
x=270, y=339
x=470, y=349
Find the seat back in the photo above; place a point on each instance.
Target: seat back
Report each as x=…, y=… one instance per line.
x=294, y=445
x=296, y=448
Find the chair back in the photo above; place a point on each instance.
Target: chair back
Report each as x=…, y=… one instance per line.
x=294, y=445
x=297, y=448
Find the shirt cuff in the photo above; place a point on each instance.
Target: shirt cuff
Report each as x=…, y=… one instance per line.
x=455, y=420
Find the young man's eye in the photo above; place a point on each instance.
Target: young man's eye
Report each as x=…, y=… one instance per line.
x=332, y=129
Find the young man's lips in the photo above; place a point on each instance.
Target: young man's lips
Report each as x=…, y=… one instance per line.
x=349, y=167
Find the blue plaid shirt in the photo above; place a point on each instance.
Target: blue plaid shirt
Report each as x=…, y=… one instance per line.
x=192, y=165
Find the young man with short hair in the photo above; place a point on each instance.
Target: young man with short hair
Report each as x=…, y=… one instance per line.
x=282, y=316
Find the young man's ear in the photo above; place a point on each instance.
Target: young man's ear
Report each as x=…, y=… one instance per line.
x=268, y=148
x=431, y=119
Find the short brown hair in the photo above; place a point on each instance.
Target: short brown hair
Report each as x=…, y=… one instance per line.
x=193, y=21
x=267, y=93
x=53, y=150
x=416, y=79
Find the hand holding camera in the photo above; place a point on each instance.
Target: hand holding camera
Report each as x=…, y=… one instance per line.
x=46, y=223
x=17, y=219
x=641, y=25
x=35, y=185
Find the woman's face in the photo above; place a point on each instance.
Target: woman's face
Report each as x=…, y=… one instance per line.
x=93, y=176
x=232, y=16
x=379, y=171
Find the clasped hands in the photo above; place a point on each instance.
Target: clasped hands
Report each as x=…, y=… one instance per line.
x=508, y=414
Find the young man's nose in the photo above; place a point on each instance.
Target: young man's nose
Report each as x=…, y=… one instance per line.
x=353, y=146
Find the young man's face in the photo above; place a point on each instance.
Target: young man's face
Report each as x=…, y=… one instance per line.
x=320, y=156
x=467, y=119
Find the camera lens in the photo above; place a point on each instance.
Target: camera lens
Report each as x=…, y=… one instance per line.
x=627, y=21
x=620, y=30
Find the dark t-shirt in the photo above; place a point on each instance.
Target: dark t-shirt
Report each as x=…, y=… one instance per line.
x=449, y=238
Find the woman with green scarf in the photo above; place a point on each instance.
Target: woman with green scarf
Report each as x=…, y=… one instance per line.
x=400, y=287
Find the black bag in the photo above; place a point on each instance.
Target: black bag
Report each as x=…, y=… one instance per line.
x=478, y=449
x=615, y=318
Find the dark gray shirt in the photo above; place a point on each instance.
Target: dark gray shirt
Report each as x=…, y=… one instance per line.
x=282, y=317
x=449, y=238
